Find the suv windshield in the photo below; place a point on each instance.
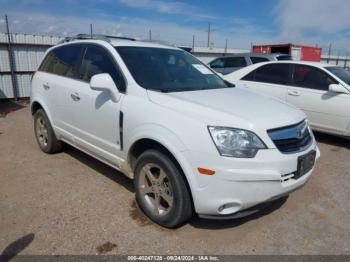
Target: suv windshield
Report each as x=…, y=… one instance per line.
x=340, y=72
x=168, y=70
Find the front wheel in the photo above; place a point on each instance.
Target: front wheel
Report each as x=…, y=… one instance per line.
x=161, y=191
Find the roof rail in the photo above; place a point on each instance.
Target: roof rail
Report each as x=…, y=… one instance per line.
x=106, y=38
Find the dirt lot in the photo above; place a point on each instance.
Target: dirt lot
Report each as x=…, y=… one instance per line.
x=69, y=203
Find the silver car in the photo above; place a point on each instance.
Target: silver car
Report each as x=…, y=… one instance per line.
x=229, y=64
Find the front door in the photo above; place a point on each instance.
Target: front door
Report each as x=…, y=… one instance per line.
x=96, y=116
x=326, y=111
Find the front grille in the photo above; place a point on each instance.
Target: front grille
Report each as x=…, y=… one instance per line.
x=291, y=139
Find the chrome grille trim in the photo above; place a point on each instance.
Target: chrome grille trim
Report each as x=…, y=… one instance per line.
x=292, y=139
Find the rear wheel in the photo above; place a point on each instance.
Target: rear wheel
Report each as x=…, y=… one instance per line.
x=161, y=191
x=44, y=133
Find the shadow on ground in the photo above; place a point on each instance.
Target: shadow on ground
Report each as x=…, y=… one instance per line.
x=332, y=140
x=8, y=106
x=100, y=167
x=16, y=247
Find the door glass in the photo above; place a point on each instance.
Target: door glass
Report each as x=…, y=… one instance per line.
x=273, y=73
x=97, y=61
x=235, y=62
x=218, y=63
x=311, y=77
x=62, y=61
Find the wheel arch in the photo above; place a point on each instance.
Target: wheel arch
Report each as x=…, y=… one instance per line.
x=143, y=144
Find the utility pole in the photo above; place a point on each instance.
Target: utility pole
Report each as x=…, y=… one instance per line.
x=11, y=60
x=209, y=32
x=193, y=43
x=91, y=31
x=329, y=52
x=150, y=35
x=346, y=59
x=225, y=46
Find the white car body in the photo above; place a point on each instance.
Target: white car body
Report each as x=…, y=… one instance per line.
x=327, y=110
x=178, y=121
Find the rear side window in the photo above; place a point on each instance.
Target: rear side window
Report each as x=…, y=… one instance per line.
x=272, y=73
x=97, y=60
x=218, y=63
x=63, y=61
x=235, y=62
x=256, y=60
x=311, y=77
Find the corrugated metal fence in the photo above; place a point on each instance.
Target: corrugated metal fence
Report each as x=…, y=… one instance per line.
x=27, y=52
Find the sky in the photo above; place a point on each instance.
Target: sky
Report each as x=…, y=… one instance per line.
x=241, y=22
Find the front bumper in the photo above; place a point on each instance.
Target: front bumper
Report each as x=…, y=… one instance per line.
x=239, y=184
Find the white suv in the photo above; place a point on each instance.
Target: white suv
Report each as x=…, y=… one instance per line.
x=191, y=141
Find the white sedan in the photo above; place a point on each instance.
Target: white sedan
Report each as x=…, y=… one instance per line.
x=322, y=91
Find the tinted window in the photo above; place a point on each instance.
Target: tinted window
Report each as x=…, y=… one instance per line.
x=256, y=60
x=218, y=63
x=273, y=73
x=95, y=61
x=168, y=70
x=284, y=57
x=249, y=77
x=62, y=61
x=235, y=62
x=311, y=77
x=342, y=73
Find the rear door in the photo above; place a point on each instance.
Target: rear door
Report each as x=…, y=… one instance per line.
x=326, y=111
x=60, y=65
x=234, y=63
x=269, y=79
x=96, y=116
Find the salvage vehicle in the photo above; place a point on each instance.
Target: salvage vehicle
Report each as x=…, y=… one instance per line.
x=228, y=64
x=192, y=142
x=321, y=90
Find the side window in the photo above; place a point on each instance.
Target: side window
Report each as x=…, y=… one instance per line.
x=256, y=60
x=235, y=62
x=95, y=61
x=249, y=77
x=273, y=73
x=311, y=77
x=218, y=63
x=62, y=61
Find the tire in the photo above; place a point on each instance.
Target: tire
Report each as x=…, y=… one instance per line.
x=44, y=133
x=168, y=189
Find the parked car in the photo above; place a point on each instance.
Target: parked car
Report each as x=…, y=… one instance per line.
x=229, y=64
x=320, y=90
x=191, y=142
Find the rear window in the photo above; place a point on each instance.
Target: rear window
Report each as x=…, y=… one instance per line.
x=284, y=57
x=256, y=60
x=62, y=61
x=272, y=73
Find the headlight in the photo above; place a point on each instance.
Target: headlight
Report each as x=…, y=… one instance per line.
x=236, y=142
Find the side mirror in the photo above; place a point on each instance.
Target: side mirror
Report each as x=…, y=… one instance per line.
x=337, y=88
x=104, y=82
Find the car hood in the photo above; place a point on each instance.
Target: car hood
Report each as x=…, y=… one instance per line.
x=230, y=106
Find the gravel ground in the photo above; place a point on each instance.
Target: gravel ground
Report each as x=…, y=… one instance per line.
x=69, y=203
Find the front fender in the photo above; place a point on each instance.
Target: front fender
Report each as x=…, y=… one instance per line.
x=169, y=140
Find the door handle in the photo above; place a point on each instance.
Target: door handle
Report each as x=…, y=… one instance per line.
x=75, y=97
x=293, y=93
x=46, y=86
